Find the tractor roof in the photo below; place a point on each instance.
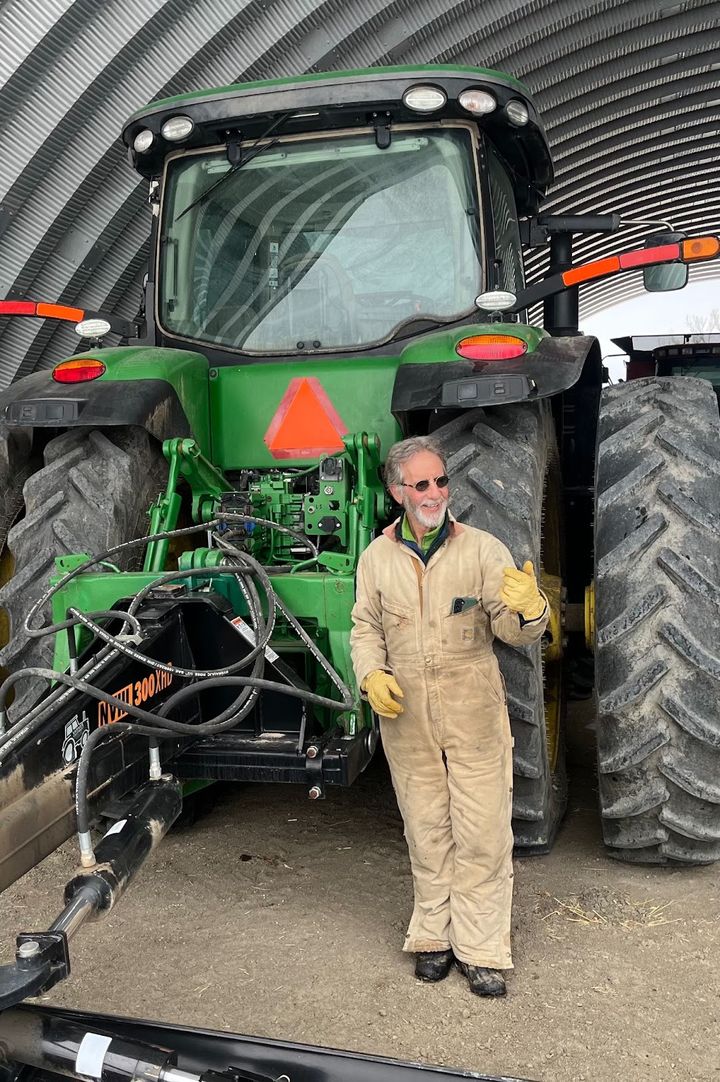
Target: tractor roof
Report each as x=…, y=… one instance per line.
x=329, y=101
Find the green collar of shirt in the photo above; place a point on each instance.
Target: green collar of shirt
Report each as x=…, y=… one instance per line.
x=427, y=539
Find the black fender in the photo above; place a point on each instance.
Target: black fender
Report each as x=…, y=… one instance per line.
x=555, y=366
x=38, y=402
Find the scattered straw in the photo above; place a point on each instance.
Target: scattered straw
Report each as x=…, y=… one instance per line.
x=604, y=909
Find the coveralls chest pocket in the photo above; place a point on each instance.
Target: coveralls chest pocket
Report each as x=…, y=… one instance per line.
x=400, y=629
x=464, y=632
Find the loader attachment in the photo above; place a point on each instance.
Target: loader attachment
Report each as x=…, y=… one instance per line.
x=49, y=1044
x=39, y=756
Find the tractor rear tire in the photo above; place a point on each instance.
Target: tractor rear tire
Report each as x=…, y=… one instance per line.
x=16, y=465
x=15, y=468
x=657, y=587
x=91, y=493
x=501, y=462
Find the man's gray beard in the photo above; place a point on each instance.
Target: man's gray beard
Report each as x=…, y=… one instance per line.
x=429, y=520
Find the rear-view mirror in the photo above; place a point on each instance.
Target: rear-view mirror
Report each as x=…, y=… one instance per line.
x=668, y=276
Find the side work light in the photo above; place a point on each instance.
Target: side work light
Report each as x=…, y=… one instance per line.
x=177, y=128
x=143, y=141
x=424, y=99
x=479, y=102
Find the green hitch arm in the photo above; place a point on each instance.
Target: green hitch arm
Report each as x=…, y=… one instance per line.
x=367, y=505
x=206, y=484
x=163, y=515
x=365, y=452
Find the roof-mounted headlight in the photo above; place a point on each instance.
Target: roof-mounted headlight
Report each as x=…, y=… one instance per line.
x=424, y=99
x=517, y=112
x=177, y=128
x=479, y=102
x=143, y=141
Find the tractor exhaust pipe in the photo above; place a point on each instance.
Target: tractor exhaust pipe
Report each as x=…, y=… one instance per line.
x=42, y=958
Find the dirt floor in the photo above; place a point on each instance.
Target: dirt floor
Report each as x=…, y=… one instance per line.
x=284, y=918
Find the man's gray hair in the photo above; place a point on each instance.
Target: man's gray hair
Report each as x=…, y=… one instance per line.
x=400, y=452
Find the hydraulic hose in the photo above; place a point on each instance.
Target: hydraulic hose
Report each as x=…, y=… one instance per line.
x=57, y=696
x=167, y=576
x=92, y=561
x=203, y=728
x=104, y=614
x=301, y=633
x=202, y=674
x=83, y=771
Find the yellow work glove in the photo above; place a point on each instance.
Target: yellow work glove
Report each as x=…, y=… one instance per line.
x=380, y=687
x=520, y=591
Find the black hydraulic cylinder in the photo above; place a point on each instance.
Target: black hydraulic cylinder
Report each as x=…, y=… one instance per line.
x=127, y=843
x=42, y=958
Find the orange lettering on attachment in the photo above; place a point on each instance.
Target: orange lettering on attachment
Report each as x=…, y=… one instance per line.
x=136, y=694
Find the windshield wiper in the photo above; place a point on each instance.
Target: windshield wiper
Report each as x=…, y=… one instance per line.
x=424, y=323
x=258, y=148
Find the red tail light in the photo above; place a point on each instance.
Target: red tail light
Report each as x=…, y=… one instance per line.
x=491, y=347
x=78, y=371
x=17, y=308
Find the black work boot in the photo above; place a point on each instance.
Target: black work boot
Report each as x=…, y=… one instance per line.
x=433, y=965
x=482, y=981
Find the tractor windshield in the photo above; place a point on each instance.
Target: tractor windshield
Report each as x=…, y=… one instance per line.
x=320, y=244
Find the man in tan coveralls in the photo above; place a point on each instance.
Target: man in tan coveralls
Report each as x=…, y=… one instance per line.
x=431, y=595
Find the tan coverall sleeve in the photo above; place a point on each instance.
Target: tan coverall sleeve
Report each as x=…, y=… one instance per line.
x=367, y=639
x=505, y=623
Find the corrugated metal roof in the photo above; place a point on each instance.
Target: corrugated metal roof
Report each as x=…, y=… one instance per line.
x=628, y=90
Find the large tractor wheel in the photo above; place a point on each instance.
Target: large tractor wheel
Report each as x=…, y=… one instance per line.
x=657, y=587
x=16, y=465
x=505, y=479
x=91, y=492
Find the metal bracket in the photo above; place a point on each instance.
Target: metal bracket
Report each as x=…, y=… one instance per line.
x=536, y=231
x=381, y=123
x=314, y=772
x=41, y=960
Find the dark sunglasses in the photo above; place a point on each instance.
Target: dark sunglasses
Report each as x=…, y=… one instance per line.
x=423, y=486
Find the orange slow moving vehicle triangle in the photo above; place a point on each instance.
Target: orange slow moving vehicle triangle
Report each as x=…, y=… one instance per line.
x=306, y=424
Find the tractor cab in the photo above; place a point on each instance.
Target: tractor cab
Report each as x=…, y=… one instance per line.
x=339, y=214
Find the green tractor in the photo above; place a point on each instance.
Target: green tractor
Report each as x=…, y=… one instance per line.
x=336, y=263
